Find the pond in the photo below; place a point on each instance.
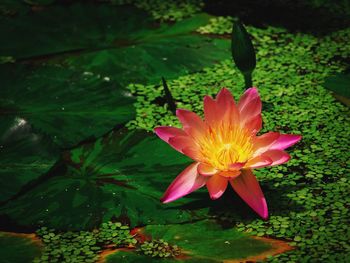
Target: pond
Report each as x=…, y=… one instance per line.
x=174, y=131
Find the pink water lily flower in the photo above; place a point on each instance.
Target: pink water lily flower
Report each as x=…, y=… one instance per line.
x=225, y=148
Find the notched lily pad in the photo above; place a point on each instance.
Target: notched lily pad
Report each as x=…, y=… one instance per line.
x=119, y=176
x=204, y=241
x=18, y=248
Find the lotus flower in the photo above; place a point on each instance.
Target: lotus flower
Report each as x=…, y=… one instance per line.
x=225, y=148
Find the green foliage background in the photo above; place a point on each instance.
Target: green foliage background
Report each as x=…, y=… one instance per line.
x=65, y=162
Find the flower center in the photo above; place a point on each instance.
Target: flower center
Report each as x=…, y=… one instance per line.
x=225, y=145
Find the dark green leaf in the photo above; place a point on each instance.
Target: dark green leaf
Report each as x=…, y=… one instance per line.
x=24, y=155
x=17, y=249
x=204, y=241
x=66, y=105
x=340, y=85
x=122, y=175
x=215, y=244
x=117, y=42
x=39, y=2
x=130, y=257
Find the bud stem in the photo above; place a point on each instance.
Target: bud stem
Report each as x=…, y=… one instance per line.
x=248, y=80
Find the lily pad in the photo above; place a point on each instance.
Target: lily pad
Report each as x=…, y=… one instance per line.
x=216, y=243
x=204, y=241
x=24, y=155
x=18, y=248
x=39, y=2
x=340, y=85
x=66, y=105
x=119, y=176
x=120, y=42
x=122, y=256
x=10, y=8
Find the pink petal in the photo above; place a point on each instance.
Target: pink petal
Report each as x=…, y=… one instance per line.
x=230, y=174
x=193, y=153
x=211, y=114
x=264, y=142
x=186, y=182
x=249, y=95
x=225, y=97
x=216, y=186
x=226, y=103
x=191, y=122
x=206, y=170
x=254, y=124
x=277, y=156
x=258, y=162
x=236, y=166
x=251, y=109
x=248, y=188
x=166, y=132
x=223, y=109
x=181, y=142
x=285, y=141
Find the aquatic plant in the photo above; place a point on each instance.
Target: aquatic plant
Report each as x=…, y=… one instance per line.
x=82, y=246
x=225, y=148
x=159, y=248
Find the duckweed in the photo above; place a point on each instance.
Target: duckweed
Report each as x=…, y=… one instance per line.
x=82, y=246
x=308, y=197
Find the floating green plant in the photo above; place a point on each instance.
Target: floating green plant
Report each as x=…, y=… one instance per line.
x=82, y=246
x=159, y=248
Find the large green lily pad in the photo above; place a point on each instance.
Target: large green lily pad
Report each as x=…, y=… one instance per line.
x=10, y=8
x=204, y=241
x=119, y=176
x=17, y=248
x=24, y=155
x=120, y=42
x=66, y=105
x=72, y=86
x=70, y=91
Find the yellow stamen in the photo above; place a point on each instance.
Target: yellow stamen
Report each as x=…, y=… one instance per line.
x=224, y=145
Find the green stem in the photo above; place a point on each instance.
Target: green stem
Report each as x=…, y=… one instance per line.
x=248, y=80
